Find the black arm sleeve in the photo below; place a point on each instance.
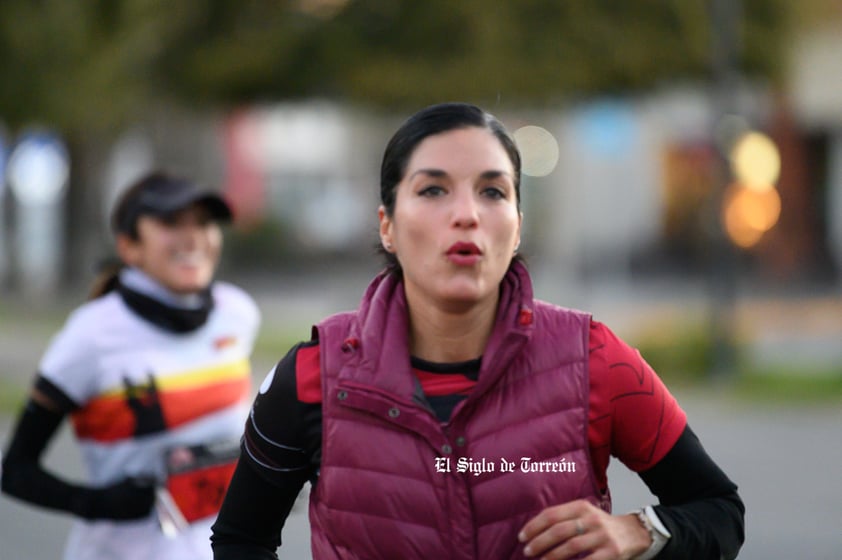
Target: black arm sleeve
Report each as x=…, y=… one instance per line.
x=252, y=516
x=23, y=476
x=699, y=504
x=280, y=452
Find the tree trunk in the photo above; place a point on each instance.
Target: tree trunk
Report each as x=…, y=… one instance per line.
x=86, y=240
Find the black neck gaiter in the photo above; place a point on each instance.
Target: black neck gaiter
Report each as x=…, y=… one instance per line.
x=167, y=317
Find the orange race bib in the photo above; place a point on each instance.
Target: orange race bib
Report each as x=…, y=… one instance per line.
x=198, y=477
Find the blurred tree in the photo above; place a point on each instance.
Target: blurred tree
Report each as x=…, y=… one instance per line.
x=402, y=52
x=817, y=13
x=85, y=69
x=90, y=67
x=93, y=65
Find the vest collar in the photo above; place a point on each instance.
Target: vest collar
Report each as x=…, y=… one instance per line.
x=380, y=334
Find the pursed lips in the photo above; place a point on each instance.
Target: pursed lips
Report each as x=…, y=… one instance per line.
x=464, y=253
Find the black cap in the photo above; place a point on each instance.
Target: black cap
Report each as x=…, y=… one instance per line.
x=162, y=195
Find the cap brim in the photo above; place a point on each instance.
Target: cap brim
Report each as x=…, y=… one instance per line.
x=219, y=209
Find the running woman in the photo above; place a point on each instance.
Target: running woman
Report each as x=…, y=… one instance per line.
x=454, y=415
x=153, y=373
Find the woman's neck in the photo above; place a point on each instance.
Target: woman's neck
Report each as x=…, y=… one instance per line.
x=443, y=335
x=139, y=281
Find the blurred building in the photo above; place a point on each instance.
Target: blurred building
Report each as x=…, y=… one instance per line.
x=630, y=194
x=815, y=119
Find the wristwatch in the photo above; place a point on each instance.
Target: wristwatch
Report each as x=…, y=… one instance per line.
x=660, y=535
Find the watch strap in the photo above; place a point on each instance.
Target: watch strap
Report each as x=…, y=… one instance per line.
x=657, y=532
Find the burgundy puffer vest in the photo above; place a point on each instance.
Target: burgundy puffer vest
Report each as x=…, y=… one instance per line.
x=389, y=485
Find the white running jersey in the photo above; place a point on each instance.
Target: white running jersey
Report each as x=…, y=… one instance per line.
x=143, y=392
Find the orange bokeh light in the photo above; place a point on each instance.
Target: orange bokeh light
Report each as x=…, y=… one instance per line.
x=748, y=213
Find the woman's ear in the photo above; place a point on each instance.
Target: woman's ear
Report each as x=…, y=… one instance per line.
x=128, y=249
x=385, y=228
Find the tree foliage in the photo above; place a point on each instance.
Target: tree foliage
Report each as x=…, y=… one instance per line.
x=99, y=63
x=77, y=64
x=399, y=52
x=89, y=68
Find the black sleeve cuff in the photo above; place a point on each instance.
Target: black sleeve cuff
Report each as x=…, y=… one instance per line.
x=699, y=504
x=252, y=516
x=64, y=403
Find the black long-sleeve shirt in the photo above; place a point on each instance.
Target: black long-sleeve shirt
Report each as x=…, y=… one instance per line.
x=699, y=505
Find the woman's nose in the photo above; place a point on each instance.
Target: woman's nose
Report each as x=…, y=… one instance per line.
x=191, y=234
x=465, y=210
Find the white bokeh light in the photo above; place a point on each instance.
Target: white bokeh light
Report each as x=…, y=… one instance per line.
x=756, y=161
x=538, y=150
x=38, y=169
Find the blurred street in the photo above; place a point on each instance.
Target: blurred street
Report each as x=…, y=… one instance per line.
x=679, y=177
x=785, y=460
x=784, y=456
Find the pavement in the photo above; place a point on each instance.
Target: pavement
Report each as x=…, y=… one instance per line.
x=785, y=460
x=785, y=456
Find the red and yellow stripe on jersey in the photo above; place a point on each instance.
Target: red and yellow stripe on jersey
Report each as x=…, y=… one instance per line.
x=183, y=397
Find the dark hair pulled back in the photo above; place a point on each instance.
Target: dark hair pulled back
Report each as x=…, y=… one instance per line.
x=432, y=120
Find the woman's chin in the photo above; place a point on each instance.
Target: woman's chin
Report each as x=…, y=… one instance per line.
x=465, y=297
x=190, y=283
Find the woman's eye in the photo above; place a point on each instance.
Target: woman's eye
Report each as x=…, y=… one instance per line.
x=494, y=193
x=204, y=219
x=179, y=219
x=431, y=191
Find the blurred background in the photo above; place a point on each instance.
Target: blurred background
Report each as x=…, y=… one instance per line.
x=683, y=182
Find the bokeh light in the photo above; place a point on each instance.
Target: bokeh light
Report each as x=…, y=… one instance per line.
x=748, y=213
x=538, y=150
x=756, y=161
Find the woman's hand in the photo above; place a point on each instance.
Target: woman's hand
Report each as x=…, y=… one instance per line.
x=578, y=527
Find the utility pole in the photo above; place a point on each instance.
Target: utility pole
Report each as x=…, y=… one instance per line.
x=722, y=267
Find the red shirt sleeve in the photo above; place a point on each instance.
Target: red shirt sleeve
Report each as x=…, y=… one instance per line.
x=308, y=378
x=632, y=415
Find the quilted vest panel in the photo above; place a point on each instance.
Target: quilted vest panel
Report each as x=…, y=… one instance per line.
x=396, y=483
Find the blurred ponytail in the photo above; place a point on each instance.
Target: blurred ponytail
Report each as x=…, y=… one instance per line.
x=108, y=272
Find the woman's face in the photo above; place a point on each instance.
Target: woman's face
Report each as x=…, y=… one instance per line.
x=180, y=252
x=456, y=222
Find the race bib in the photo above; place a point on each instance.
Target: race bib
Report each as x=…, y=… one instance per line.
x=198, y=477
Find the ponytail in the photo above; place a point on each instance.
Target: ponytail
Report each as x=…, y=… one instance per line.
x=108, y=272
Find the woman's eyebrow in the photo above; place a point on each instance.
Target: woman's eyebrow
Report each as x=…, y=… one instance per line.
x=495, y=174
x=490, y=174
x=432, y=172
